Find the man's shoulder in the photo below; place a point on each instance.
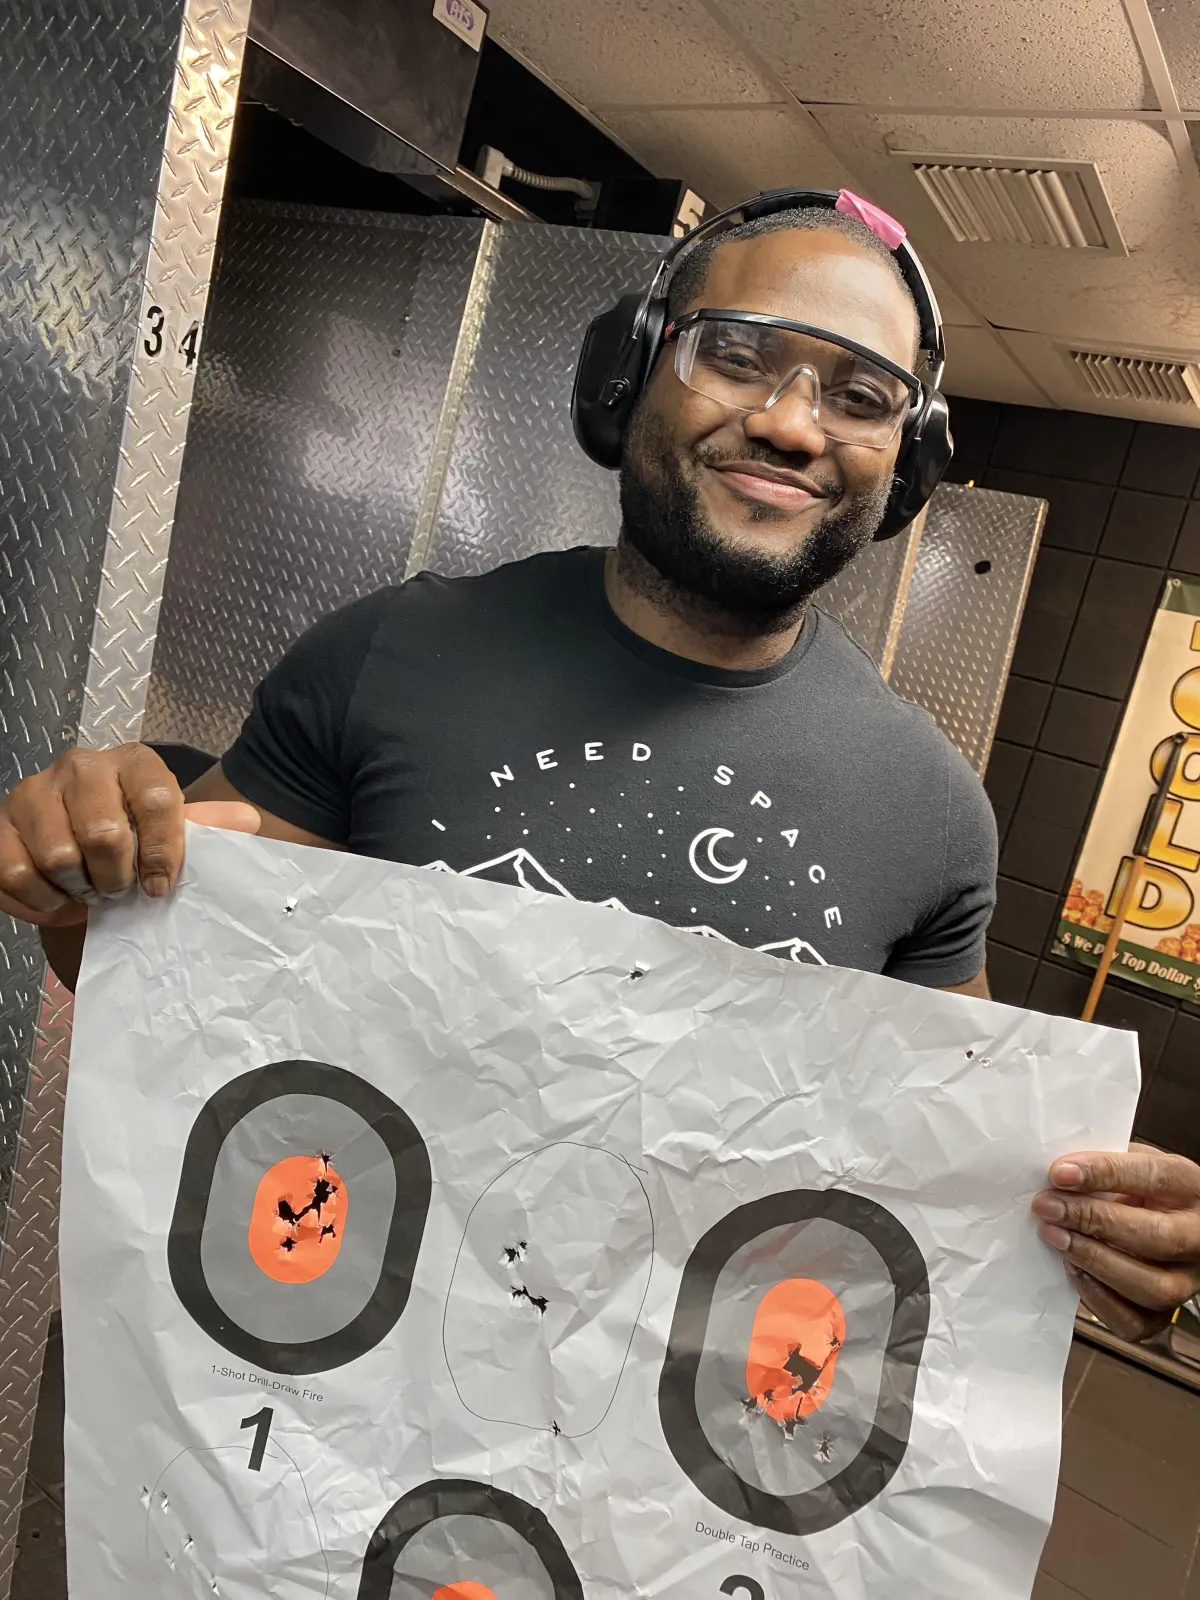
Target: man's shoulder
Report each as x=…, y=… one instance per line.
x=531, y=578
x=870, y=710
x=861, y=680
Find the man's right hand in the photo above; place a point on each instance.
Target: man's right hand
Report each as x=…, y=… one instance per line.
x=93, y=824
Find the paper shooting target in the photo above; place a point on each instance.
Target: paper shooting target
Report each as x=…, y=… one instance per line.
x=786, y=1394
x=301, y=1205
x=547, y=1289
x=452, y=1539
x=202, y=1540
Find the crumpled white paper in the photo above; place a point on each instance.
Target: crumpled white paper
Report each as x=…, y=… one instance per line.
x=428, y=1239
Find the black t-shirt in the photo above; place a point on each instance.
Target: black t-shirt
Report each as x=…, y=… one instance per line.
x=509, y=726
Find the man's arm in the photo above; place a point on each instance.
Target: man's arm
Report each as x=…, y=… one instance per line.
x=976, y=986
x=1127, y=1227
x=946, y=949
x=214, y=786
x=100, y=821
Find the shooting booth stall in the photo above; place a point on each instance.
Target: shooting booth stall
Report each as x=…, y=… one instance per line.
x=225, y=418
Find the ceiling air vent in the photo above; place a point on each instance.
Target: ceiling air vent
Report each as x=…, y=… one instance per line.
x=1136, y=378
x=984, y=200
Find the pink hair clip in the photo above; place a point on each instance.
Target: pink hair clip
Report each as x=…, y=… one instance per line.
x=881, y=225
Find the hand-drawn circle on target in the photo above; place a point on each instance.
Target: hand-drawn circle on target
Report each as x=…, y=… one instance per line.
x=547, y=1289
x=209, y=1517
x=257, y=1126
x=455, y=1537
x=787, y=1390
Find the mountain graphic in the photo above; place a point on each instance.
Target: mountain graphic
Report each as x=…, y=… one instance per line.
x=517, y=867
x=521, y=869
x=793, y=950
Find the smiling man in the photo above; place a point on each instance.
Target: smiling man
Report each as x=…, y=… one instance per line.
x=673, y=725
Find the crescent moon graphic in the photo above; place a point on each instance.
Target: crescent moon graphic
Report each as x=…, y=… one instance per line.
x=713, y=871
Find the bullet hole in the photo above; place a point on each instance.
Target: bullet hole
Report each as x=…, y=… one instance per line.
x=514, y=1253
x=970, y=1055
x=793, y=1353
x=289, y=906
x=323, y=1191
x=825, y=1448
x=636, y=974
x=144, y=1497
x=164, y=1501
x=982, y=567
x=985, y=1061
x=295, y=1234
x=555, y=1429
x=538, y=1301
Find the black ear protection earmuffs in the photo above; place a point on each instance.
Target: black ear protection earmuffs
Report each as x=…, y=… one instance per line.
x=623, y=343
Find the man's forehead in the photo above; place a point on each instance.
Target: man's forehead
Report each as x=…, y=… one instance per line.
x=819, y=277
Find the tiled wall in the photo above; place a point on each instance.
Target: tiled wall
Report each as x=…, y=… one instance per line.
x=1124, y=511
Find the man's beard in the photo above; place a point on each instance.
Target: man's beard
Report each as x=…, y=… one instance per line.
x=663, y=522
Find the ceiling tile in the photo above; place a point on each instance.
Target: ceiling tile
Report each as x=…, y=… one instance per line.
x=952, y=53
x=621, y=52
x=1178, y=25
x=1045, y=360
x=978, y=366
x=956, y=313
x=727, y=156
x=1151, y=296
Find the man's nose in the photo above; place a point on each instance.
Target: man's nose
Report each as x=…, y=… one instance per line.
x=789, y=424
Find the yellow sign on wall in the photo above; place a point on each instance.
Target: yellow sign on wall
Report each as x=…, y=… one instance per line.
x=1160, y=944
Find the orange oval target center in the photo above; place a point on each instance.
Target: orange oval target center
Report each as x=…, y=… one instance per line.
x=297, y=1219
x=463, y=1591
x=799, y=1329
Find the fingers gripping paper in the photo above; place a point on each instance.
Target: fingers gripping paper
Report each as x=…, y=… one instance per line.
x=425, y=1239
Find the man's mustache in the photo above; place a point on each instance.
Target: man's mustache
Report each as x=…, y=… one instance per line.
x=764, y=456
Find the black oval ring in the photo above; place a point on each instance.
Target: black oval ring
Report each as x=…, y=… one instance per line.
x=410, y=1161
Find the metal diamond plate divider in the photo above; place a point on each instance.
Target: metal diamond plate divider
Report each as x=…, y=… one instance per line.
x=964, y=608
x=517, y=483
x=329, y=344
x=78, y=201
x=31, y=1258
x=110, y=207
x=174, y=299
x=868, y=598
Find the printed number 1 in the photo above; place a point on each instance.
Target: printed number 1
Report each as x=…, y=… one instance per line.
x=740, y=1585
x=261, y=1423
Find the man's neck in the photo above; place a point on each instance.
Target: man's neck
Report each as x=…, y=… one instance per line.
x=688, y=625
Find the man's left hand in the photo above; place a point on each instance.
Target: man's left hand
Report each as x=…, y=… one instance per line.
x=1128, y=1227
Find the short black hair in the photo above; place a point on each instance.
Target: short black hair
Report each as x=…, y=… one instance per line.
x=692, y=271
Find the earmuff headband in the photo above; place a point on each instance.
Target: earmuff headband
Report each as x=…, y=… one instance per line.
x=770, y=204
x=623, y=342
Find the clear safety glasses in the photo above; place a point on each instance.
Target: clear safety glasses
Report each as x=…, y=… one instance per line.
x=747, y=361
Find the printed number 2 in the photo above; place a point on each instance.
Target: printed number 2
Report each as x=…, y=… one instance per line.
x=261, y=1423
x=740, y=1585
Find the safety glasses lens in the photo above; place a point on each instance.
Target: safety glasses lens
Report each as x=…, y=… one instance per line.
x=752, y=366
